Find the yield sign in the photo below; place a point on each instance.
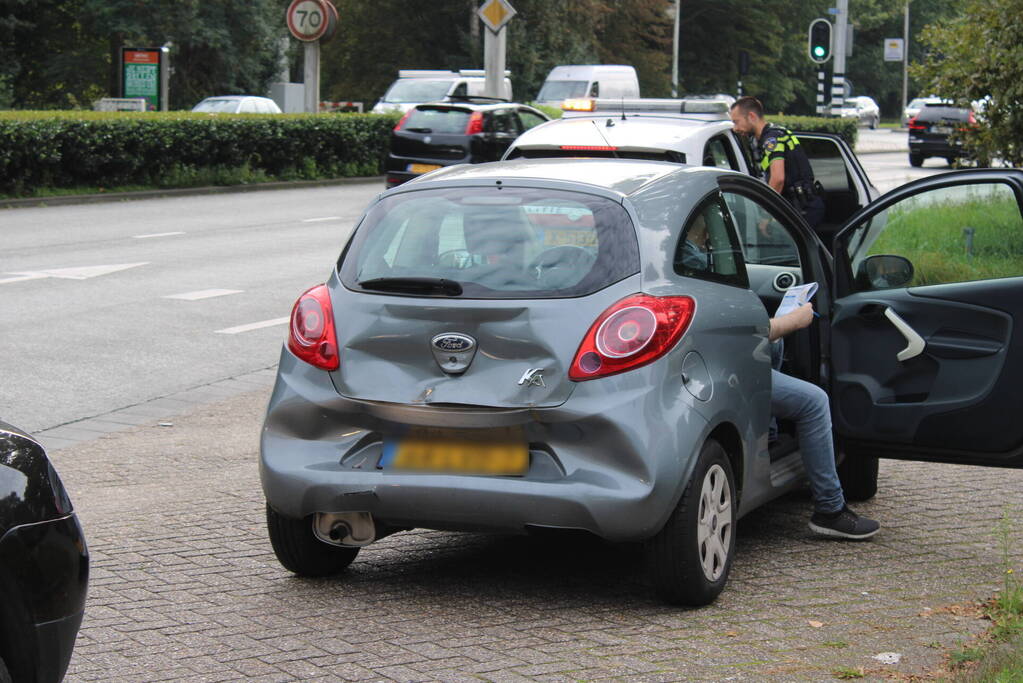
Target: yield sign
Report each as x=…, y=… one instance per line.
x=496, y=13
x=79, y=273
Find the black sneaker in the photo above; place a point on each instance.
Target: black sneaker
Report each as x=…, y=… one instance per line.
x=843, y=524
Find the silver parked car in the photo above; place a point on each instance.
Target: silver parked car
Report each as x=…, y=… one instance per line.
x=537, y=345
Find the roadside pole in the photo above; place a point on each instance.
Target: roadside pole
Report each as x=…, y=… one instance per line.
x=674, y=53
x=838, y=76
x=495, y=14
x=311, y=77
x=905, y=62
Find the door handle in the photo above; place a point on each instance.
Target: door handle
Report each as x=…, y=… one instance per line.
x=914, y=342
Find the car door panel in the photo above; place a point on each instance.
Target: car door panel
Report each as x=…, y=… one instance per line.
x=955, y=393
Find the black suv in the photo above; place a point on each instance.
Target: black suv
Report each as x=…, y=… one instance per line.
x=469, y=131
x=930, y=132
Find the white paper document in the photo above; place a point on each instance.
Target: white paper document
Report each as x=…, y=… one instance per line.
x=795, y=297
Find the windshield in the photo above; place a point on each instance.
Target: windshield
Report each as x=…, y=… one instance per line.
x=218, y=105
x=495, y=243
x=417, y=90
x=561, y=90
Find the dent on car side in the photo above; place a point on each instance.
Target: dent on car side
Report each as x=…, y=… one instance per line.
x=44, y=563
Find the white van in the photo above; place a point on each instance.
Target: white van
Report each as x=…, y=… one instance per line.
x=417, y=86
x=588, y=80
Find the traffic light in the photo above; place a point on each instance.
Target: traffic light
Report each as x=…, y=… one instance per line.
x=819, y=44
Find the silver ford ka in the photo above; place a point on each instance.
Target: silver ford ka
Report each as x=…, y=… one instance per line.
x=558, y=344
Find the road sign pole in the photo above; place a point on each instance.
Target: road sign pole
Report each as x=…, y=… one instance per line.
x=311, y=77
x=494, y=45
x=495, y=14
x=838, y=76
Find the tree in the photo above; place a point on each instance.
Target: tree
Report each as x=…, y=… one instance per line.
x=217, y=47
x=978, y=57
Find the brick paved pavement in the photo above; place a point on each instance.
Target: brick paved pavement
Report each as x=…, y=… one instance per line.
x=185, y=586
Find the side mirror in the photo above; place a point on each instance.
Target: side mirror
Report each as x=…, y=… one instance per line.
x=884, y=271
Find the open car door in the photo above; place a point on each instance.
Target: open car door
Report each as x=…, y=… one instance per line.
x=847, y=189
x=927, y=325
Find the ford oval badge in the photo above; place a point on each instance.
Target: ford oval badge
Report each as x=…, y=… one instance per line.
x=453, y=351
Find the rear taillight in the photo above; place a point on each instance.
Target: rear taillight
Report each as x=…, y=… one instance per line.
x=404, y=118
x=475, y=124
x=312, y=336
x=972, y=119
x=915, y=125
x=637, y=330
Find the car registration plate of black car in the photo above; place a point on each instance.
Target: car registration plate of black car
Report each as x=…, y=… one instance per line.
x=942, y=130
x=448, y=451
x=422, y=168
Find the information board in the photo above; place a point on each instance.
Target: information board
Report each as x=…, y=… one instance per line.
x=140, y=74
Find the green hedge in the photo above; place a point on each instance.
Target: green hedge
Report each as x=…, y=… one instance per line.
x=844, y=128
x=111, y=149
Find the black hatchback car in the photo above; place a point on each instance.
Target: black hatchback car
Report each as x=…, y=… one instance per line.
x=469, y=131
x=44, y=564
x=930, y=133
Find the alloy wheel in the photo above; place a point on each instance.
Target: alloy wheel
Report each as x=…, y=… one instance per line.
x=715, y=522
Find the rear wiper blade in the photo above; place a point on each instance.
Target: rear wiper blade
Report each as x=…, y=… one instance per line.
x=414, y=285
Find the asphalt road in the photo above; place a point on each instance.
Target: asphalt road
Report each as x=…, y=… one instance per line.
x=109, y=305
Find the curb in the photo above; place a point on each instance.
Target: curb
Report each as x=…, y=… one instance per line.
x=67, y=200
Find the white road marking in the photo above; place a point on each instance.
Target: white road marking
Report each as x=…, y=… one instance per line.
x=79, y=273
x=203, y=294
x=325, y=218
x=156, y=234
x=254, y=326
x=22, y=278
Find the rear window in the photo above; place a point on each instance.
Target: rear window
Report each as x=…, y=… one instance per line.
x=437, y=121
x=939, y=113
x=496, y=243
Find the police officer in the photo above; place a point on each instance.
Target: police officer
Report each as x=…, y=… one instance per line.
x=782, y=159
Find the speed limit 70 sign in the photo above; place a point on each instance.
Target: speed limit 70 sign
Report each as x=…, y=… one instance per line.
x=311, y=20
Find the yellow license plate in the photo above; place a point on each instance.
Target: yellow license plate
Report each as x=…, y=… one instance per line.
x=461, y=456
x=422, y=168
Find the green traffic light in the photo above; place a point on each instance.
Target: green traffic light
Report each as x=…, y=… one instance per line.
x=818, y=51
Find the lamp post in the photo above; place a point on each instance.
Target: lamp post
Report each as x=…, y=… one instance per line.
x=905, y=59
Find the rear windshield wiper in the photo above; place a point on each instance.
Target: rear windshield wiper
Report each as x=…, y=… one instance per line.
x=414, y=285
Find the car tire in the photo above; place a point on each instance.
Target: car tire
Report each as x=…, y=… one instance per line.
x=300, y=552
x=874, y=123
x=5, y=675
x=689, y=559
x=858, y=475
x=916, y=160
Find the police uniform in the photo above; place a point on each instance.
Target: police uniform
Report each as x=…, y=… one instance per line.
x=777, y=142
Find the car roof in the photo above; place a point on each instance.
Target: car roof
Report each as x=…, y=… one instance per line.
x=471, y=104
x=235, y=97
x=620, y=176
x=637, y=133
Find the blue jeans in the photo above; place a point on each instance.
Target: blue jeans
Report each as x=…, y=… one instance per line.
x=807, y=405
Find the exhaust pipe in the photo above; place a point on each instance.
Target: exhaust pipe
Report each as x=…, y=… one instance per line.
x=350, y=529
